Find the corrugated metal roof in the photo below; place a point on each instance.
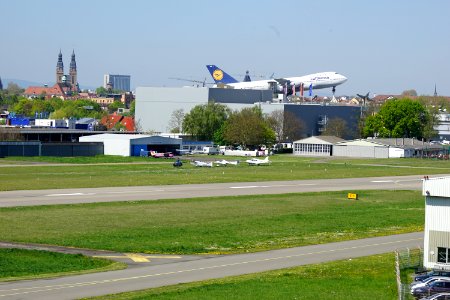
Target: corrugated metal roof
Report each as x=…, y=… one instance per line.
x=322, y=139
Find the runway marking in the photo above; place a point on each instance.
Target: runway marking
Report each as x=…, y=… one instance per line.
x=268, y=186
x=72, y=194
x=382, y=181
x=138, y=257
x=134, y=191
x=29, y=290
x=249, y=187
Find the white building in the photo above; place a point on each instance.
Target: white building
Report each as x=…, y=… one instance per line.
x=316, y=146
x=132, y=144
x=55, y=123
x=437, y=223
x=443, y=126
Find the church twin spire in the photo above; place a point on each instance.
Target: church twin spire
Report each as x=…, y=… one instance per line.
x=70, y=80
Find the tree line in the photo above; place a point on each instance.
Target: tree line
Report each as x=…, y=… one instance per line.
x=395, y=118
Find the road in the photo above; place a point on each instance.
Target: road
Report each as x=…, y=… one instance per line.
x=135, y=193
x=188, y=270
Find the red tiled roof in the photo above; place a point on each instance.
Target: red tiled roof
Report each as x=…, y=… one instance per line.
x=111, y=120
x=55, y=90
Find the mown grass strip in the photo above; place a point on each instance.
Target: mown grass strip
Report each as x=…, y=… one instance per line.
x=19, y=264
x=161, y=172
x=362, y=278
x=218, y=224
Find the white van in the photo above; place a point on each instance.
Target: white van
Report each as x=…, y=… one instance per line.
x=210, y=150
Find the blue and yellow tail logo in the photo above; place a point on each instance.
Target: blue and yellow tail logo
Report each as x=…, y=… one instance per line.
x=217, y=74
x=220, y=76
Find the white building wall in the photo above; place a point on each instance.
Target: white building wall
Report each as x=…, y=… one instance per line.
x=361, y=151
x=437, y=187
x=117, y=147
x=396, y=152
x=437, y=219
x=155, y=105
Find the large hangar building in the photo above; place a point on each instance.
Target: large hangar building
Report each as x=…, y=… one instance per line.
x=155, y=105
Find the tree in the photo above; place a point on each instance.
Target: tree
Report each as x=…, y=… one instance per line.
x=248, y=127
x=276, y=122
x=285, y=125
x=336, y=127
x=23, y=107
x=14, y=89
x=203, y=120
x=101, y=91
x=399, y=118
x=293, y=128
x=409, y=93
x=113, y=107
x=133, y=107
x=176, y=121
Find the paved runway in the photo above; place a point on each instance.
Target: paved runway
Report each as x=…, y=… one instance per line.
x=188, y=270
x=135, y=193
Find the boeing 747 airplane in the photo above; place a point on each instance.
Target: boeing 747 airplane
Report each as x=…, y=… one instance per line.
x=312, y=81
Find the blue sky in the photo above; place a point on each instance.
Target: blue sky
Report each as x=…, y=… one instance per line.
x=381, y=46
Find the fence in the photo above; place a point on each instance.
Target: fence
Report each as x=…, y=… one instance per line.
x=407, y=260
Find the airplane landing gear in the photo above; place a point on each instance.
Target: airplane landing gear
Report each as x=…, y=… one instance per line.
x=333, y=99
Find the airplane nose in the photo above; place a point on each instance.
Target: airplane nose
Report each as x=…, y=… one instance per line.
x=344, y=79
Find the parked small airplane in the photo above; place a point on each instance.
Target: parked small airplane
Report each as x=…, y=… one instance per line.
x=257, y=162
x=288, y=84
x=199, y=163
x=161, y=155
x=224, y=162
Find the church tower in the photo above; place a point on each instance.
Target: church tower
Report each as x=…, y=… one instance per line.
x=59, y=68
x=73, y=73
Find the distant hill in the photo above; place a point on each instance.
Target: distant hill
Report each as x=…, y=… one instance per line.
x=25, y=83
x=20, y=82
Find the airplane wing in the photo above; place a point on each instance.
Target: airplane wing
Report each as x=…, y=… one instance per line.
x=283, y=81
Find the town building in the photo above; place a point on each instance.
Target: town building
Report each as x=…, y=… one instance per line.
x=437, y=223
x=117, y=82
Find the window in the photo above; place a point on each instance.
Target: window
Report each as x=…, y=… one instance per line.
x=443, y=255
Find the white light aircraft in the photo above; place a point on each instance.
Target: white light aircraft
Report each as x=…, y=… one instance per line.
x=199, y=163
x=225, y=162
x=257, y=162
x=288, y=85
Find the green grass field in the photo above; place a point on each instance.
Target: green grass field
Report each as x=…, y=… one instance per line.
x=26, y=264
x=137, y=171
x=217, y=225
x=362, y=278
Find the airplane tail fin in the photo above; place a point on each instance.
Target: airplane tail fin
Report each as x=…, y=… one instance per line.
x=219, y=75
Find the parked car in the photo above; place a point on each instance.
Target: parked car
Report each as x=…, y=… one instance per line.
x=440, y=296
x=416, y=284
x=435, y=287
x=422, y=277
